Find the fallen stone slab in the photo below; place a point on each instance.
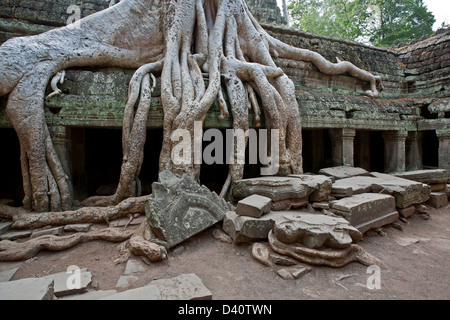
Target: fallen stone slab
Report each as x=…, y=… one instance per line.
x=126, y=281
x=320, y=183
x=27, y=289
x=7, y=275
x=15, y=235
x=180, y=208
x=351, y=186
x=149, y=292
x=438, y=187
x=182, y=287
x=315, y=230
x=342, y=172
x=58, y=231
x=90, y=295
x=285, y=192
x=367, y=210
x=434, y=176
x=5, y=226
x=406, y=192
x=135, y=266
x=300, y=272
x=77, y=227
x=281, y=260
x=253, y=206
x=67, y=283
x=437, y=200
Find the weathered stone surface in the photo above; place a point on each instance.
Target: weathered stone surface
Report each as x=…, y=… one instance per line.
x=406, y=212
x=7, y=274
x=5, y=226
x=321, y=185
x=27, y=289
x=285, y=274
x=90, y=295
x=245, y=229
x=77, y=227
x=300, y=272
x=16, y=235
x=447, y=190
x=427, y=176
x=282, y=260
x=438, y=200
x=149, y=292
x=321, y=205
x=253, y=206
x=119, y=223
x=315, y=230
x=350, y=186
x=53, y=231
x=126, y=281
x=367, y=210
x=64, y=282
x=343, y=172
x=261, y=253
x=406, y=192
x=221, y=236
x=180, y=208
x=437, y=187
x=183, y=287
x=285, y=192
x=135, y=266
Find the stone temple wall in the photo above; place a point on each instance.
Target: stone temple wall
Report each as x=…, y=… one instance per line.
x=406, y=128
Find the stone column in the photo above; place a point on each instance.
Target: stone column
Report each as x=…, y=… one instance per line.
x=61, y=143
x=394, y=150
x=342, y=144
x=444, y=148
x=414, y=157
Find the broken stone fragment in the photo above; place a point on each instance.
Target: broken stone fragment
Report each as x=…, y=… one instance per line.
x=282, y=260
x=143, y=293
x=261, y=253
x=4, y=227
x=14, y=235
x=253, y=206
x=28, y=289
x=351, y=186
x=77, y=227
x=367, y=210
x=58, y=231
x=182, y=287
x=180, y=208
x=342, y=172
x=315, y=230
x=285, y=274
x=438, y=200
x=406, y=212
x=67, y=283
x=320, y=183
x=246, y=229
x=221, y=236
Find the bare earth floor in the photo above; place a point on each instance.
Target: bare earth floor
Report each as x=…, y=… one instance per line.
x=417, y=261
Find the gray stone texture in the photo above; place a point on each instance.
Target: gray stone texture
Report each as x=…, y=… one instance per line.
x=64, y=281
x=435, y=176
x=14, y=235
x=77, y=227
x=4, y=227
x=58, y=231
x=182, y=287
x=246, y=229
x=367, y=210
x=253, y=206
x=144, y=293
x=7, y=275
x=90, y=295
x=342, y=172
x=180, y=208
x=27, y=289
x=438, y=200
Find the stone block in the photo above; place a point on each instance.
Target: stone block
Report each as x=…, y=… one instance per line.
x=406, y=192
x=313, y=230
x=143, y=293
x=126, y=281
x=7, y=275
x=406, y=212
x=182, y=287
x=320, y=183
x=67, y=283
x=246, y=229
x=434, y=176
x=11, y=236
x=5, y=226
x=53, y=231
x=351, y=186
x=367, y=210
x=135, y=266
x=342, y=172
x=285, y=192
x=253, y=206
x=447, y=190
x=437, y=187
x=438, y=200
x=90, y=295
x=27, y=289
x=180, y=208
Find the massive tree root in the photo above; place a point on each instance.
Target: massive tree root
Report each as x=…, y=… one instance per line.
x=183, y=41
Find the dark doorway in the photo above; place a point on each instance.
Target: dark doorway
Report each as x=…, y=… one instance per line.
x=430, y=149
x=317, y=150
x=10, y=171
x=376, y=151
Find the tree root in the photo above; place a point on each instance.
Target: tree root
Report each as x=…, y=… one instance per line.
x=336, y=258
x=82, y=215
x=14, y=251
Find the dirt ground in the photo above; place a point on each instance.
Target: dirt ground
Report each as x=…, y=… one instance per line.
x=416, y=266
